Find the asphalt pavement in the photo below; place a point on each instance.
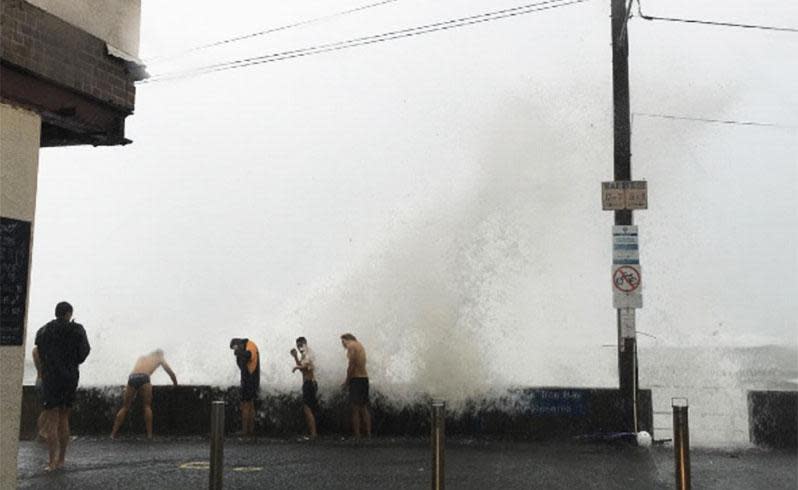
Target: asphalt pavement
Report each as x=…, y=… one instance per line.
x=331, y=463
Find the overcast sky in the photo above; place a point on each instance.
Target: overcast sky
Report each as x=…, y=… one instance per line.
x=436, y=191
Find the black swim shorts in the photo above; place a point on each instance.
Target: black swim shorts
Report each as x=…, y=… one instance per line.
x=309, y=391
x=59, y=394
x=359, y=391
x=137, y=380
x=249, y=388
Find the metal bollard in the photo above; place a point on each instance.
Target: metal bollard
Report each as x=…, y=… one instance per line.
x=217, y=446
x=681, y=443
x=438, y=442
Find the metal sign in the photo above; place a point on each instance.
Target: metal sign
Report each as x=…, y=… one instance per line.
x=624, y=194
x=627, y=282
x=625, y=250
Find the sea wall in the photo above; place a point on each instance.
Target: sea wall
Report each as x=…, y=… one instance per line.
x=527, y=413
x=773, y=418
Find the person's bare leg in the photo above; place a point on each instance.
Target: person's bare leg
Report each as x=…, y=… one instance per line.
x=250, y=425
x=51, y=429
x=41, y=426
x=63, y=435
x=364, y=410
x=127, y=402
x=310, y=419
x=245, y=418
x=146, y=398
x=356, y=420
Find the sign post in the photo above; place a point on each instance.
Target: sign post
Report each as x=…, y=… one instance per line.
x=622, y=196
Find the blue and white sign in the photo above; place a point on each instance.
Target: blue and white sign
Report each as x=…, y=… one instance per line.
x=625, y=249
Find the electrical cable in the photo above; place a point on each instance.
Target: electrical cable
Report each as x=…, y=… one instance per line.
x=713, y=23
x=714, y=121
x=361, y=41
x=270, y=31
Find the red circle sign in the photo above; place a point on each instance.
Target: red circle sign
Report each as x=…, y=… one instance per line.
x=626, y=279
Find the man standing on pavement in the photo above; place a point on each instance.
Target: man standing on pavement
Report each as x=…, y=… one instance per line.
x=357, y=379
x=305, y=363
x=139, y=382
x=248, y=360
x=62, y=346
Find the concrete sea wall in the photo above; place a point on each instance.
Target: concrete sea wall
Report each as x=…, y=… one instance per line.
x=528, y=413
x=773, y=418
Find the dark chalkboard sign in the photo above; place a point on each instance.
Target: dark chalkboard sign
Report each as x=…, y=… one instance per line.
x=14, y=260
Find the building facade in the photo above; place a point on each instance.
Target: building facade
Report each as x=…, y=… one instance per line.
x=67, y=73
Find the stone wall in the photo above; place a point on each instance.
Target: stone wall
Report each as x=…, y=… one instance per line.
x=773, y=418
x=530, y=413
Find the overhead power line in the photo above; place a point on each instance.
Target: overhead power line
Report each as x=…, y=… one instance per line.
x=361, y=41
x=713, y=121
x=271, y=30
x=713, y=23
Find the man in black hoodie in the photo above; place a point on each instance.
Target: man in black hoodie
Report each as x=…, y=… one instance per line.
x=62, y=347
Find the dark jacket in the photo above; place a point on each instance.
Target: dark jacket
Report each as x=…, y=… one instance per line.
x=63, y=346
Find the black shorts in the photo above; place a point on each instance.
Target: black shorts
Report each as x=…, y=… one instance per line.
x=39, y=392
x=309, y=391
x=249, y=388
x=137, y=380
x=58, y=394
x=359, y=391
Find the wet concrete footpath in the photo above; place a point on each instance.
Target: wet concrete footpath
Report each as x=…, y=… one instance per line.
x=171, y=463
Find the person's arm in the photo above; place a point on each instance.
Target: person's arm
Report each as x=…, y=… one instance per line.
x=83, y=347
x=166, y=367
x=296, y=357
x=350, y=368
x=242, y=357
x=37, y=362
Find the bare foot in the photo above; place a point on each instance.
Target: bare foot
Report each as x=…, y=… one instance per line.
x=50, y=467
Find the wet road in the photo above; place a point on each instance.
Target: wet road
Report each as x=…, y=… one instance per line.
x=395, y=464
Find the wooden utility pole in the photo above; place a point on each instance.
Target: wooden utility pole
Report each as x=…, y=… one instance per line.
x=627, y=346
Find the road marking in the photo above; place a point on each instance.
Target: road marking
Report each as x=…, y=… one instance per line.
x=205, y=465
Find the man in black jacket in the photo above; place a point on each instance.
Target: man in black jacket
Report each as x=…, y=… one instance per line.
x=62, y=346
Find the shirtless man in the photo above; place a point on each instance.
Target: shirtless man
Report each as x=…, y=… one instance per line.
x=357, y=379
x=139, y=382
x=305, y=363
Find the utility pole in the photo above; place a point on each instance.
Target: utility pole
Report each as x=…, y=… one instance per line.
x=627, y=344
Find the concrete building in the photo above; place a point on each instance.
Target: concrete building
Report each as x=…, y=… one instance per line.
x=67, y=73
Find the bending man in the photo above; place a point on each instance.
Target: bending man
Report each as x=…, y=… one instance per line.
x=357, y=379
x=139, y=382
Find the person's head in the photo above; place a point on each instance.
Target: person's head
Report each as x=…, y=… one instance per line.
x=301, y=343
x=347, y=338
x=157, y=353
x=63, y=311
